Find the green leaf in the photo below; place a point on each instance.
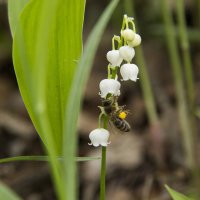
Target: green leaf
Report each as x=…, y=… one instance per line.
x=176, y=195
x=43, y=159
x=73, y=105
x=7, y=194
x=46, y=47
x=14, y=10
x=45, y=54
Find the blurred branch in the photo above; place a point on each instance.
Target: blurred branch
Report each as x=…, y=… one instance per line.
x=179, y=85
x=157, y=30
x=185, y=47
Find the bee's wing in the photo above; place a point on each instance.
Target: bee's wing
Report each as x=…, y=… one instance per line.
x=114, y=129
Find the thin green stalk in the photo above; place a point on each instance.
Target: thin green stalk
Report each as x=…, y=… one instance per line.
x=103, y=174
x=186, y=52
x=185, y=47
x=179, y=85
x=145, y=80
x=103, y=164
x=197, y=13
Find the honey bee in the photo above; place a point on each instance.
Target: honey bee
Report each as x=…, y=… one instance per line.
x=116, y=114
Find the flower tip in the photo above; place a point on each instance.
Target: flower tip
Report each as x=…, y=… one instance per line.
x=129, y=72
x=98, y=137
x=128, y=34
x=109, y=86
x=136, y=41
x=127, y=53
x=114, y=58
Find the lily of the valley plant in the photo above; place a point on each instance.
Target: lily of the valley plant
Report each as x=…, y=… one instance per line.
x=120, y=60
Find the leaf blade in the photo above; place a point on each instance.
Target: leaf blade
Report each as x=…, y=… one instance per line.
x=7, y=194
x=14, y=10
x=43, y=158
x=176, y=195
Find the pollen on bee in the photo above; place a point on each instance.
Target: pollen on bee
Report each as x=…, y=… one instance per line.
x=122, y=115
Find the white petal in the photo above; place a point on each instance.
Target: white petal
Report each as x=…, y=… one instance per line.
x=99, y=136
x=127, y=53
x=128, y=34
x=129, y=72
x=136, y=42
x=114, y=58
x=109, y=86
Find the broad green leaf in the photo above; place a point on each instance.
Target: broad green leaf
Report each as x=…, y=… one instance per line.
x=30, y=55
x=73, y=105
x=46, y=47
x=7, y=194
x=15, y=7
x=43, y=158
x=45, y=61
x=176, y=195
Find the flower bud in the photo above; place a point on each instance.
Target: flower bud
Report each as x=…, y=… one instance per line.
x=109, y=86
x=128, y=34
x=114, y=58
x=136, y=42
x=129, y=72
x=98, y=137
x=127, y=53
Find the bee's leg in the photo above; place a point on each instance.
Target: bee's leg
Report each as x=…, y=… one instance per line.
x=101, y=109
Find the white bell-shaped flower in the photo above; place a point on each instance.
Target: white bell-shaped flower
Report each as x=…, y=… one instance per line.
x=127, y=53
x=129, y=72
x=114, y=58
x=136, y=42
x=128, y=34
x=98, y=137
x=109, y=86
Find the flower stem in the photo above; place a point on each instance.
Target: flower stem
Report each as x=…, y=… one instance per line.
x=185, y=47
x=103, y=165
x=103, y=174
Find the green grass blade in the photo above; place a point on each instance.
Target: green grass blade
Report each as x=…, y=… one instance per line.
x=176, y=195
x=73, y=105
x=83, y=159
x=25, y=158
x=43, y=159
x=7, y=194
x=14, y=10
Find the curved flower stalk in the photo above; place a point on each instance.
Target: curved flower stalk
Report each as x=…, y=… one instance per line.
x=119, y=58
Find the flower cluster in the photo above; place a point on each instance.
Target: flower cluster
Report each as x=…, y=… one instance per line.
x=119, y=59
